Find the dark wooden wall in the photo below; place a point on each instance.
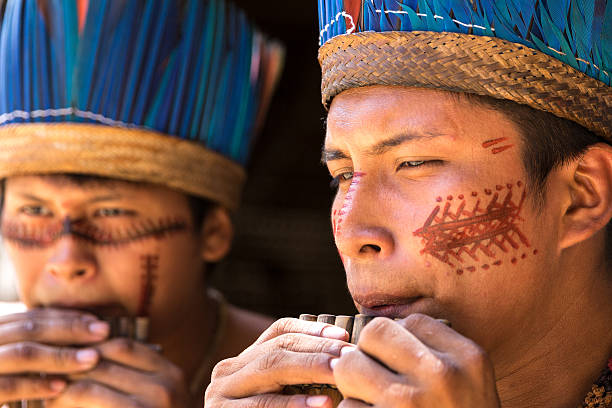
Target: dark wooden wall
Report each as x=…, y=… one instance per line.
x=284, y=261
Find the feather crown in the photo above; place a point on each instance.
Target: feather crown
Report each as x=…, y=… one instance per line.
x=194, y=70
x=576, y=32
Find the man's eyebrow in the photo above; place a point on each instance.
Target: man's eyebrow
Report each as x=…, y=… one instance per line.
x=32, y=197
x=386, y=145
x=108, y=197
x=379, y=148
x=98, y=199
x=332, y=154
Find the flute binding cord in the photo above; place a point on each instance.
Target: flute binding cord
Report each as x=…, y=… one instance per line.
x=164, y=92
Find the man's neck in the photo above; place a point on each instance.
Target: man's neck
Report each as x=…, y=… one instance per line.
x=558, y=369
x=188, y=346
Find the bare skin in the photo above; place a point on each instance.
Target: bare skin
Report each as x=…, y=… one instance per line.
x=435, y=218
x=91, y=247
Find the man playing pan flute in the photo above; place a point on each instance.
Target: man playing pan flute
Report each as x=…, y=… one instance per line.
x=124, y=130
x=470, y=142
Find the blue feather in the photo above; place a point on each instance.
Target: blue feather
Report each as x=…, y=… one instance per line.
x=16, y=57
x=29, y=104
x=187, y=55
x=138, y=59
x=87, y=54
x=152, y=61
x=4, y=59
x=207, y=53
x=239, y=138
x=214, y=77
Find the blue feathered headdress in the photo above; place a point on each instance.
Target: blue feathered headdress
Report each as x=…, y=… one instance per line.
x=160, y=78
x=568, y=39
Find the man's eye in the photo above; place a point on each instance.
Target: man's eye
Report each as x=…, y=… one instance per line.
x=409, y=164
x=342, y=177
x=415, y=163
x=35, y=211
x=112, y=212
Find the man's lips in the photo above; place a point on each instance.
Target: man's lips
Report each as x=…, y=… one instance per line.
x=389, y=305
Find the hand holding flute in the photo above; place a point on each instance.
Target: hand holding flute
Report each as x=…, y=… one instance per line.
x=417, y=361
x=57, y=358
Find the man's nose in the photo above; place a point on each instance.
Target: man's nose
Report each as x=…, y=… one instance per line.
x=362, y=227
x=71, y=261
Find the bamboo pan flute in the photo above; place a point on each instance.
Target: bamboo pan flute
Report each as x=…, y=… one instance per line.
x=354, y=326
x=135, y=328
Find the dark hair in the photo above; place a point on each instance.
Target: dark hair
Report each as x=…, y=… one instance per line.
x=199, y=207
x=548, y=143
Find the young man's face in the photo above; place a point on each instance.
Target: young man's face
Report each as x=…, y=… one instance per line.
x=111, y=246
x=434, y=213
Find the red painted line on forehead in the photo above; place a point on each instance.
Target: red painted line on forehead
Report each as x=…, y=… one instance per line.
x=500, y=149
x=489, y=143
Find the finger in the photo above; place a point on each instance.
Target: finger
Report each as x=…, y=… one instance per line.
x=274, y=401
x=33, y=357
x=133, y=354
x=90, y=394
x=129, y=381
x=359, y=376
x=270, y=372
x=353, y=403
x=288, y=325
x=436, y=335
x=397, y=348
x=46, y=313
x=299, y=343
x=76, y=329
x=26, y=388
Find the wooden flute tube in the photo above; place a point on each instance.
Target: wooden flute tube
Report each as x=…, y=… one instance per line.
x=354, y=326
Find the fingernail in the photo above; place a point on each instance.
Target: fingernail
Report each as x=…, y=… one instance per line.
x=334, y=332
x=316, y=401
x=86, y=356
x=347, y=349
x=57, y=385
x=332, y=363
x=99, y=328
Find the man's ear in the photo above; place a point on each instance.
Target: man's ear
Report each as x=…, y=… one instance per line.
x=590, y=206
x=216, y=235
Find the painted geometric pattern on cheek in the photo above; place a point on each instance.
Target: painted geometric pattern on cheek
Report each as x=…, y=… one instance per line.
x=458, y=232
x=347, y=203
x=26, y=236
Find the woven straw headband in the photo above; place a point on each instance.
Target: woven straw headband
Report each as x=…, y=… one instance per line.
x=127, y=154
x=466, y=63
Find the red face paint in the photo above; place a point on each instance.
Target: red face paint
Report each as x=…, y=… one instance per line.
x=347, y=203
x=25, y=236
x=494, y=142
x=148, y=264
x=462, y=232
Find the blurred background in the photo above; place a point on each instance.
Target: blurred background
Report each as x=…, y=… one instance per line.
x=283, y=261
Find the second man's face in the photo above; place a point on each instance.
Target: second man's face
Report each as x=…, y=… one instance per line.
x=111, y=247
x=434, y=213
